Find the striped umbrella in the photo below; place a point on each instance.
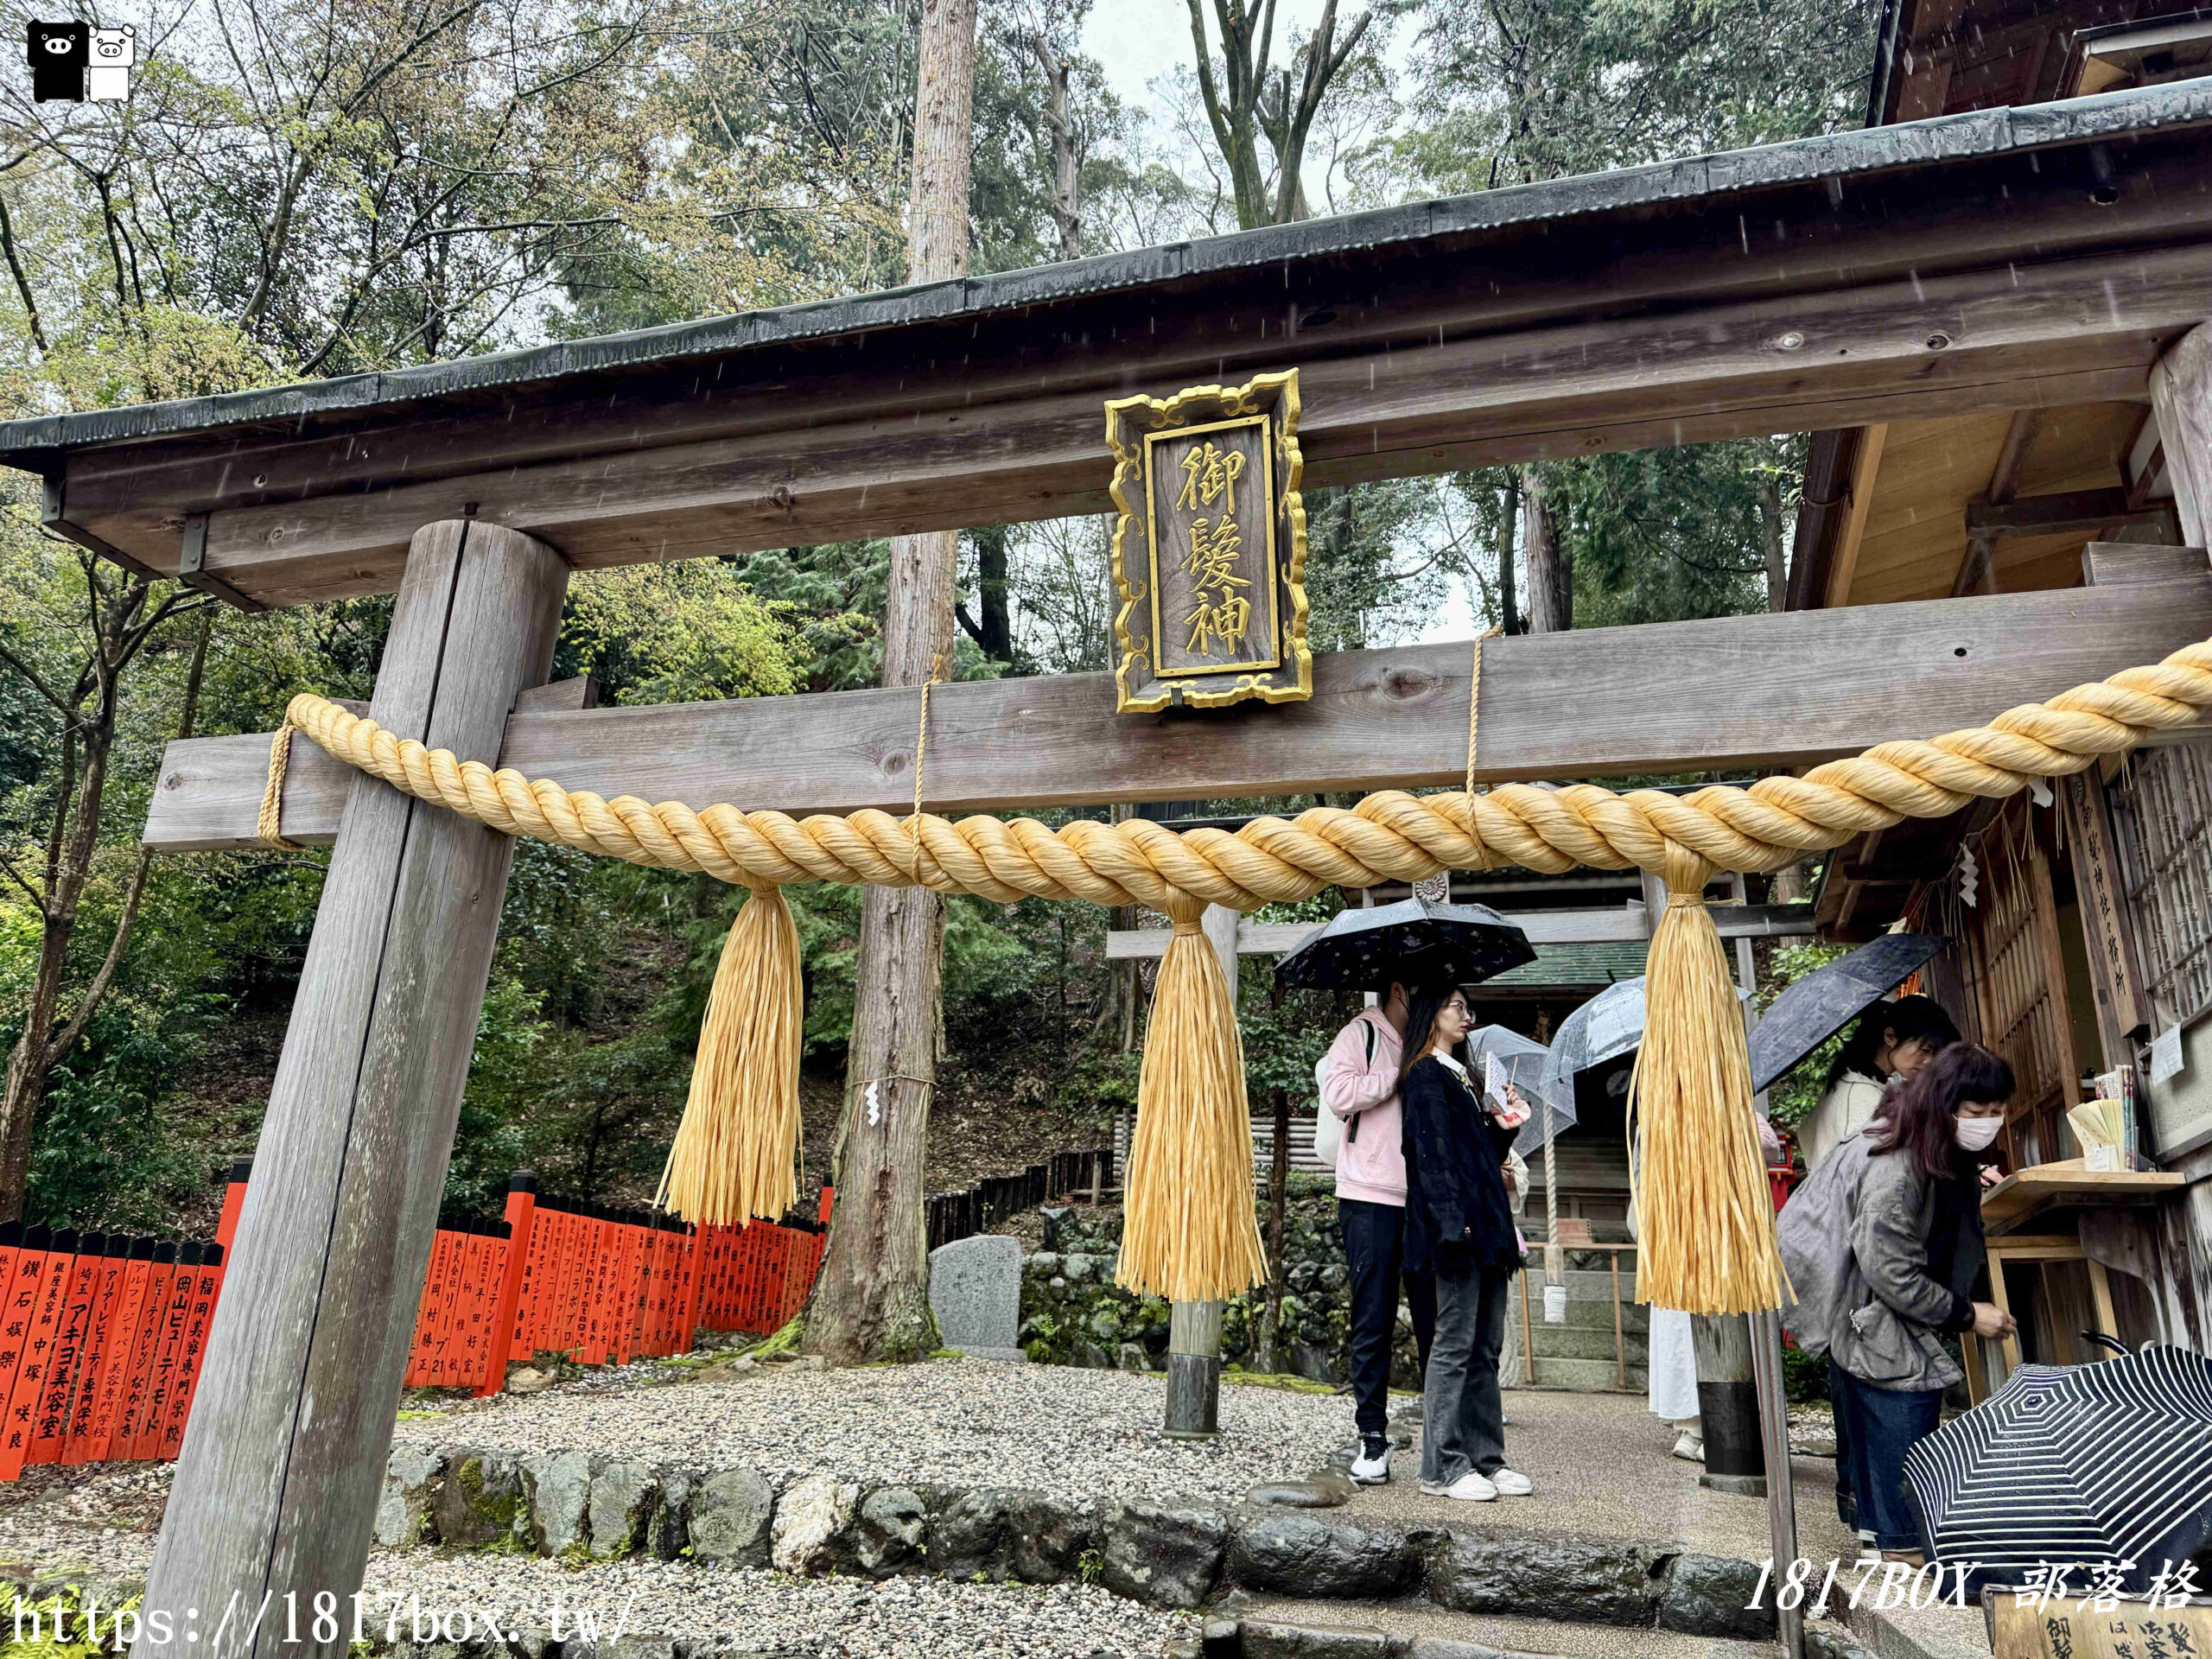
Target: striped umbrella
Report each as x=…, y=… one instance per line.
x=2104, y=1467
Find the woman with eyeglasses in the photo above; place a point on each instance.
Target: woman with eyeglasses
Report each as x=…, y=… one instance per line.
x=1459, y=1226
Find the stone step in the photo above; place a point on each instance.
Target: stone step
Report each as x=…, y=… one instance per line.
x=1636, y=1317
x=1581, y=1286
x=1275, y=1627
x=1587, y=1376
x=1583, y=1342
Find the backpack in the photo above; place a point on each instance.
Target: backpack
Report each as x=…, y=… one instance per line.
x=1331, y=1131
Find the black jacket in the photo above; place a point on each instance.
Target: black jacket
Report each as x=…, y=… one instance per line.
x=1956, y=1249
x=1456, y=1215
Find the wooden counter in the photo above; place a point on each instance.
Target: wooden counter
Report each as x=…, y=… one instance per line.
x=2029, y=1192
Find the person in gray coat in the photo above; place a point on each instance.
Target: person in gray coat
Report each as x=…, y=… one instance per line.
x=1884, y=1246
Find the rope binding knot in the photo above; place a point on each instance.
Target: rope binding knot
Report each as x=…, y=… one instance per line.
x=268, y=826
x=1685, y=873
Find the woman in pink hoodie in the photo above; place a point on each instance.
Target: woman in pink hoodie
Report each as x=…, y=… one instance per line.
x=1359, y=1084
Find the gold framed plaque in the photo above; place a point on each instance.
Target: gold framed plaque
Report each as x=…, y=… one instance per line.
x=1209, y=549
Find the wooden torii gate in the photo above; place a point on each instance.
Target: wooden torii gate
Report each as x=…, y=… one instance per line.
x=1997, y=261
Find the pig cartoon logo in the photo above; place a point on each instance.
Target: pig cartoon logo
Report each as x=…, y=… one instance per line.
x=114, y=50
x=60, y=54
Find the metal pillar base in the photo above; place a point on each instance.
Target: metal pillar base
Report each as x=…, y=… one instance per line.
x=1734, y=1486
x=1728, y=1402
x=1193, y=1397
x=1193, y=1371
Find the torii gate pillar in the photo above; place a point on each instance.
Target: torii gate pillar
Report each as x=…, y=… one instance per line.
x=276, y=1490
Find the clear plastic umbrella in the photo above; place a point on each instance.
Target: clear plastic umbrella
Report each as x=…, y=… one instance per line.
x=1595, y=1046
x=1500, y=1059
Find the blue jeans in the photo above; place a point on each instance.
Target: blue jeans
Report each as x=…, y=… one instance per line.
x=1874, y=1429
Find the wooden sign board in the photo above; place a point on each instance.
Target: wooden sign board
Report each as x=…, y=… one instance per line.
x=1210, y=550
x=2121, y=1010
x=2028, y=1625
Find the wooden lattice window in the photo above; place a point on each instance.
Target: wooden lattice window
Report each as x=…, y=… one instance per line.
x=2162, y=819
x=2019, y=982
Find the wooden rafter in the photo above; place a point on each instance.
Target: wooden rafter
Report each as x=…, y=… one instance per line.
x=1978, y=569
x=1909, y=349
x=1866, y=465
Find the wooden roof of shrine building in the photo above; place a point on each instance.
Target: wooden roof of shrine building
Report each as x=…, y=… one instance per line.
x=1961, y=264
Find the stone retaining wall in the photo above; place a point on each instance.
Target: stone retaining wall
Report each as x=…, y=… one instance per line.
x=1172, y=1554
x=1073, y=1313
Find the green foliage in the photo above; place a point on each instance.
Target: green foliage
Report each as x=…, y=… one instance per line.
x=506, y=1085
x=1804, y=1376
x=835, y=593
x=1792, y=1098
x=107, y=1154
x=1536, y=89
x=1285, y=1032
x=520, y=175
x=54, y=1626
x=1666, y=535
x=682, y=632
x=977, y=951
x=1377, y=561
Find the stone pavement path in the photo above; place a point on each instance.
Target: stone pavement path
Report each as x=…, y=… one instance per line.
x=1602, y=1466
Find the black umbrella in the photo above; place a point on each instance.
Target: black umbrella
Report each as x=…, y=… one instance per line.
x=1418, y=942
x=2107, y=1465
x=1825, y=1001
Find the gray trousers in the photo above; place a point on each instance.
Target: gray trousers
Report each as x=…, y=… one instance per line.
x=1463, y=1418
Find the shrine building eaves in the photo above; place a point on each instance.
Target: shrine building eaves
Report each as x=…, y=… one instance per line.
x=1701, y=182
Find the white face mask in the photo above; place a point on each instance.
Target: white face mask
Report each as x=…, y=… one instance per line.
x=1975, y=1134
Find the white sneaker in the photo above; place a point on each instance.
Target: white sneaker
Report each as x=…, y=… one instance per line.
x=1511, y=1483
x=1470, y=1488
x=1372, y=1472
x=1689, y=1447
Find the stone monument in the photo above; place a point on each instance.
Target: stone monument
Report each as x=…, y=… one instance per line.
x=975, y=1293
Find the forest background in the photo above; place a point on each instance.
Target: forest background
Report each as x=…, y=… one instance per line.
x=298, y=189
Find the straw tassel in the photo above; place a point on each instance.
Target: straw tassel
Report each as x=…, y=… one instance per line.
x=1190, y=1232
x=1704, y=1212
x=734, y=1150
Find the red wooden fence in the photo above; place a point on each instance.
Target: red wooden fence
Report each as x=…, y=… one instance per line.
x=101, y=1336
x=100, y=1342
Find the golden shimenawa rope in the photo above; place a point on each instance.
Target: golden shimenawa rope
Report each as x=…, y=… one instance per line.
x=1709, y=1246
x=921, y=754
x=1190, y=1232
x=1389, y=835
x=270, y=826
x=734, y=1147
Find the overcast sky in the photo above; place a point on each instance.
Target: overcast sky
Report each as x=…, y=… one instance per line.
x=1135, y=40
x=1138, y=39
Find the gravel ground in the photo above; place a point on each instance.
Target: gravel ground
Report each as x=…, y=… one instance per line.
x=99, y=1518
x=751, y=1611
x=1087, y=1433
x=963, y=1422
x=1812, y=1428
